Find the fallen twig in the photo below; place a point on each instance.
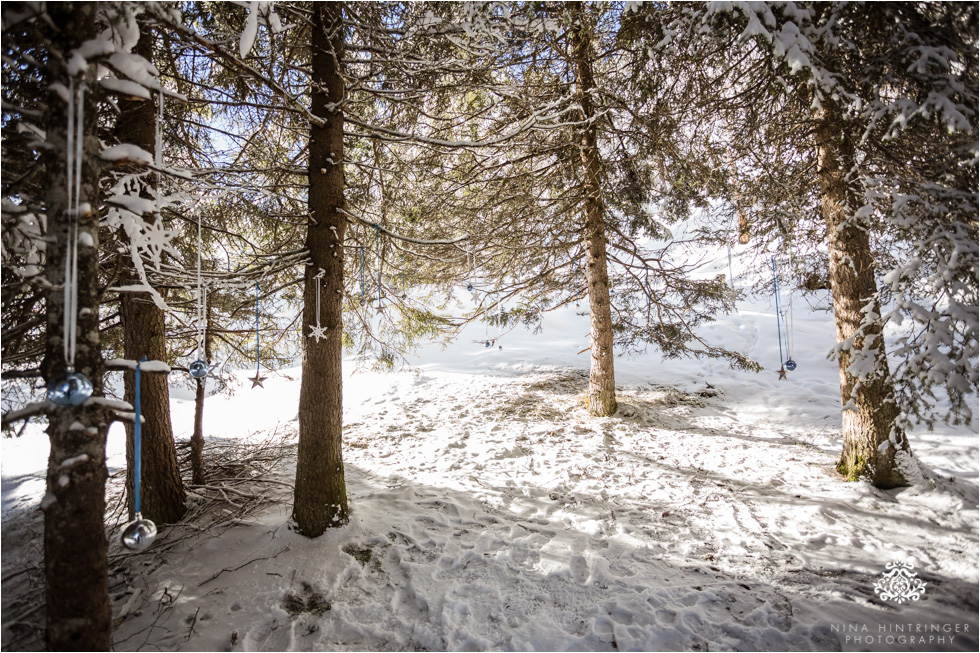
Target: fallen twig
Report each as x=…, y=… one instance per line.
x=245, y=564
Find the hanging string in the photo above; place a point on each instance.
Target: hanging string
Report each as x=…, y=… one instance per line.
x=317, y=332
x=789, y=329
x=575, y=276
x=362, y=273
x=779, y=330
x=200, y=292
x=318, y=277
x=159, y=153
x=72, y=388
x=377, y=240
x=731, y=275
x=74, y=148
x=648, y=292
x=256, y=328
x=541, y=279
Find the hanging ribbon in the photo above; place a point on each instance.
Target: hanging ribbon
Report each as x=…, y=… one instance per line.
x=140, y=533
x=779, y=329
x=257, y=379
x=362, y=273
x=159, y=149
x=72, y=388
x=377, y=240
x=256, y=327
x=75, y=148
x=137, y=442
x=541, y=279
x=317, y=332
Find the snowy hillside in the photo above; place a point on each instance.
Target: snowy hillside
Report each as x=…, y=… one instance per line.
x=490, y=512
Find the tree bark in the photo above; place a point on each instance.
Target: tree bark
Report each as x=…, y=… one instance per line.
x=75, y=546
x=162, y=491
x=874, y=445
x=602, y=378
x=321, y=496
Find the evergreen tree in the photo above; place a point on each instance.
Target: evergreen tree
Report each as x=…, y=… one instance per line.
x=834, y=107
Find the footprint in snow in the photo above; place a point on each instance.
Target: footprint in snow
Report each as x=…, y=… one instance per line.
x=579, y=568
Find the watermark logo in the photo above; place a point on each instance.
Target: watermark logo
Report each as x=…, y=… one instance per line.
x=898, y=583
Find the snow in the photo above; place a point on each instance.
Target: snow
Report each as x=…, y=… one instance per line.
x=127, y=154
x=145, y=366
x=490, y=512
x=124, y=88
x=250, y=31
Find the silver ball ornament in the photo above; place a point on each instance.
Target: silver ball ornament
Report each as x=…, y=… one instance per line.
x=139, y=534
x=69, y=389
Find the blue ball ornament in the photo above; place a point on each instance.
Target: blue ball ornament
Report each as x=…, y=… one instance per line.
x=469, y=287
x=790, y=364
x=198, y=369
x=69, y=389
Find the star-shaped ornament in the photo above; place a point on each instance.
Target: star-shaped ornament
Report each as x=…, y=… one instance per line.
x=318, y=332
x=257, y=380
x=782, y=374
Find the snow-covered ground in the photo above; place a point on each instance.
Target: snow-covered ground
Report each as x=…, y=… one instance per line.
x=490, y=512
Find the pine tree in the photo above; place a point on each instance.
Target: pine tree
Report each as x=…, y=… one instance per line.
x=75, y=546
x=828, y=111
x=321, y=495
x=144, y=334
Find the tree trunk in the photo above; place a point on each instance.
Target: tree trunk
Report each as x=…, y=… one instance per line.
x=162, y=491
x=874, y=445
x=321, y=495
x=75, y=546
x=602, y=379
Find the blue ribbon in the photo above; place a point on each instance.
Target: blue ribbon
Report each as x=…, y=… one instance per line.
x=137, y=445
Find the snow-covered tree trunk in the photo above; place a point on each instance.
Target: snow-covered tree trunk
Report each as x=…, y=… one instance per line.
x=321, y=495
x=162, y=491
x=75, y=546
x=874, y=445
x=602, y=378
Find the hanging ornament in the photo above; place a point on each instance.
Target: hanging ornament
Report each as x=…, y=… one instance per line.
x=139, y=533
x=69, y=389
x=317, y=332
x=404, y=288
x=199, y=368
x=500, y=321
x=789, y=365
x=72, y=388
x=257, y=379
